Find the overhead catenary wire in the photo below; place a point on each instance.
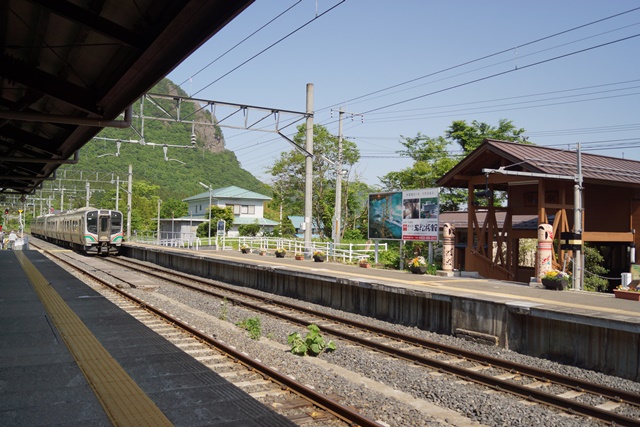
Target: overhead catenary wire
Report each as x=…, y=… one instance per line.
x=242, y=41
x=271, y=46
x=500, y=52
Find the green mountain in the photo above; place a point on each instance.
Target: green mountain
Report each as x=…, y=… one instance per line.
x=206, y=161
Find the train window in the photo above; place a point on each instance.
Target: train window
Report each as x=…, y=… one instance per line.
x=116, y=222
x=92, y=222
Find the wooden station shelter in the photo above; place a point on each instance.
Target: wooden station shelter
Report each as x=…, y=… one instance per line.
x=543, y=186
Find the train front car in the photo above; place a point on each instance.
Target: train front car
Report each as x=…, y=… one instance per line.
x=103, y=232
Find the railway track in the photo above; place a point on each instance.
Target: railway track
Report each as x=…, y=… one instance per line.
x=301, y=404
x=616, y=406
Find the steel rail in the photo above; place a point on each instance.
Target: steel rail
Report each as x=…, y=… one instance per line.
x=341, y=411
x=542, y=375
x=492, y=382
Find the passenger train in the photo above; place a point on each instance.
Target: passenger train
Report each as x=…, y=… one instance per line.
x=87, y=229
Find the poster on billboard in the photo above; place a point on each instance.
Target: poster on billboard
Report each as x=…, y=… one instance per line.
x=404, y=215
x=420, y=212
x=385, y=216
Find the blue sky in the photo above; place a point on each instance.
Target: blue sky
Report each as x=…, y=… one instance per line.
x=365, y=46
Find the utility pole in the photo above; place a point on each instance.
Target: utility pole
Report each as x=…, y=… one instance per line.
x=337, y=211
x=117, y=192
x=159, y=240
x=578, y=266
x=308, y=196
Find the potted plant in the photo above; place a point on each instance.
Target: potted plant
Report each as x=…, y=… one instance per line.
x=245, y=249
x=555, y=280
x=263, y=252
x=280, y=252
x=630, y=292
x=418, y=265
x=364, y=263
x=299, y=256
x=319, y=256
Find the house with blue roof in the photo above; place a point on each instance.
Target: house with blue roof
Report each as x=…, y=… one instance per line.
x=298, y=224
x=248, y=208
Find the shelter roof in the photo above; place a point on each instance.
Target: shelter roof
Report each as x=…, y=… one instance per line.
x=69, y=68
x=460, y=219
x=494, y=154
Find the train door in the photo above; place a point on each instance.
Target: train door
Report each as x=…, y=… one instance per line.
x=104, y=228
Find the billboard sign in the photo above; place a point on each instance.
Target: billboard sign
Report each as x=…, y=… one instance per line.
x=405, y=215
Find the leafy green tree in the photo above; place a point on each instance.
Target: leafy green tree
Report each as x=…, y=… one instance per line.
x=469, y=137
x=216, y=214
x=289, y=175
x=595, y=270
x=432, y=159
x=284, y=229
x=174, y=208
x=249, y=229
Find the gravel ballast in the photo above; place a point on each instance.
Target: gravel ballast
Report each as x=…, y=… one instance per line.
x=395, y=392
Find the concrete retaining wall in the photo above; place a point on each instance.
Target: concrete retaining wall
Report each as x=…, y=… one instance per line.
x=565, y=338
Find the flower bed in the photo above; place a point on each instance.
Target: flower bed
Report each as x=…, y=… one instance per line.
x=630, y=295
x=319, y=256
x=555, y=280
x=418, y=265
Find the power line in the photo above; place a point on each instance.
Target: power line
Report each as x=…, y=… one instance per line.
x=270, y=46
x=485, y=110
x=440, y=107
x=484, y=57
x=544, y=61
x=242, y=41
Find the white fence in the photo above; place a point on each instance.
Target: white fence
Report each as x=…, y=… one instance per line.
x=345, y=252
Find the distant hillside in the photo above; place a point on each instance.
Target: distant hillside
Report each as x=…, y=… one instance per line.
x=208, y=162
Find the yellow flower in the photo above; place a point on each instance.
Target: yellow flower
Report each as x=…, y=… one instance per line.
x=418, y=261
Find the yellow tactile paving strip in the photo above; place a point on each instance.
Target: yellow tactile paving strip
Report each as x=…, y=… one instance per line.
x=122, y=399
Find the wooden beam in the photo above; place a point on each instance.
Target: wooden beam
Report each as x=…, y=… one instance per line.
x=603, y=236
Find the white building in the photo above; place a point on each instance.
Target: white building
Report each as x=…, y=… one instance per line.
x=248, y=208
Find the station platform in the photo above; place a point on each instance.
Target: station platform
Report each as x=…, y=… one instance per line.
x=591, y=330
x=68, y=356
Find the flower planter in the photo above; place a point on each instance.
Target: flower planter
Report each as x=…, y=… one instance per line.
x=319, y=258
x=418, y=269
x=364, y=265
x=280, y=254
x=630, y=295
x=245, y=250
x=555, y=285
x=300, y=257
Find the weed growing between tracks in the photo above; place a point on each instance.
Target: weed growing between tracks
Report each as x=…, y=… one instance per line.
x=252, y=324
x=312, y=344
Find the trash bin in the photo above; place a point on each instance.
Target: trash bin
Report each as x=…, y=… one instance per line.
x=626, y=279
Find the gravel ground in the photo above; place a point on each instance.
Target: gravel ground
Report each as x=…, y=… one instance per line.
x=392, y=391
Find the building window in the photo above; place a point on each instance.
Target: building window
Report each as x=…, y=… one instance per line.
x=247, y=209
